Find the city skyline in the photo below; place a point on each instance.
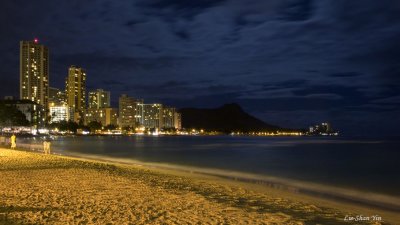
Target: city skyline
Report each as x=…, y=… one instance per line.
x=44, y=105
x=288, y=63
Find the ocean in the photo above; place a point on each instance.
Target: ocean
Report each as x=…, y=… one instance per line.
x=365, y=164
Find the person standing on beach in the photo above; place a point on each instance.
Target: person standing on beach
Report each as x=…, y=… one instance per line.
x=46, y=147
x=13, y=141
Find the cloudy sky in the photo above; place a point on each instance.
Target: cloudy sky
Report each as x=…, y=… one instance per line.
x=289, y=62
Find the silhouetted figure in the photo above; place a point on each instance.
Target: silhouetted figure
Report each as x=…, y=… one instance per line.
x=13, y=141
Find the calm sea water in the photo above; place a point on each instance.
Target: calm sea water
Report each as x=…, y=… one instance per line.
x=365, y=164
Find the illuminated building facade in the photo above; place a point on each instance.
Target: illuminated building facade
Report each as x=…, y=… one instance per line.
x=171, y=118
x=129, y=111
x=152, y=116
x=177, y=121
x=168, y=117
x=34, y=73
x=60, y=113
x=111, y=116
x=99, y=99
x=75, y=91
x=105, y=116
x=324, y=128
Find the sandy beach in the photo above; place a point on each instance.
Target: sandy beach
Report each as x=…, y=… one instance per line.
x=49, y=189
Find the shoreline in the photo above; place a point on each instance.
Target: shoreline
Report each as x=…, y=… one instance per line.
x=364, y=198
x=195, y=176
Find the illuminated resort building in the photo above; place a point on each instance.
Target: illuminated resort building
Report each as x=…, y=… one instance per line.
x=34, y=73
x=177, y=121
x=99, y=99
x=152, y=116
x=58, y=107
x=168, y=117
x=171, y=118
x=60, y=113
x=99, y=108
x=105, y=116
x=129, y=111
x=75, y=91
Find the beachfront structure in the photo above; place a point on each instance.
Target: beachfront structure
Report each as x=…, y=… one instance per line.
x=99, y=99
x=106, y=116
x=75, y=91
x=129, y=111
x=177, y=121
x=169, y=117
x=152, y=116
x=34, y=73
x=60, y=113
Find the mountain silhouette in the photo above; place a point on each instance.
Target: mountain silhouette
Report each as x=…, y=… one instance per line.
x=227, y=118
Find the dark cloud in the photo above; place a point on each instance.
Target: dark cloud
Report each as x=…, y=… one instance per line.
x=182, y=35
x=287, y=61
x=182, y=4
x=345, y=91
x=132, y=22
x=296, y=10
x=345, y=74
x=169, y=10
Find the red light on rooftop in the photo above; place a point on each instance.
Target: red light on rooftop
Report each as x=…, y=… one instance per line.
x=35, y=40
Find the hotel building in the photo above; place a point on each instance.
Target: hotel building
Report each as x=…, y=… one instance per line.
x=75, y=91
x=177, y=121
x=105, y=116
x=168, y=117
x=152, y=116
x=34, y=74
x=129, y=111
x=99, y=99
x=60, y=113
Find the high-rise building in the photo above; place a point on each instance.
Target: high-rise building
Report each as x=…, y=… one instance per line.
x=171, y=118
x=177, y=120
x=168, y=117
x=152, y=116
x=129, y=111
x=111, y=116
x=34, y=73
x=56, y=96
x=75, y=91
x=99, y=99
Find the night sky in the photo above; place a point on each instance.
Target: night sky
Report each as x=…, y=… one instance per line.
x=290, y=63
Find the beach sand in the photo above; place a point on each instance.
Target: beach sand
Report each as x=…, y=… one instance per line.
x=49, y=189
